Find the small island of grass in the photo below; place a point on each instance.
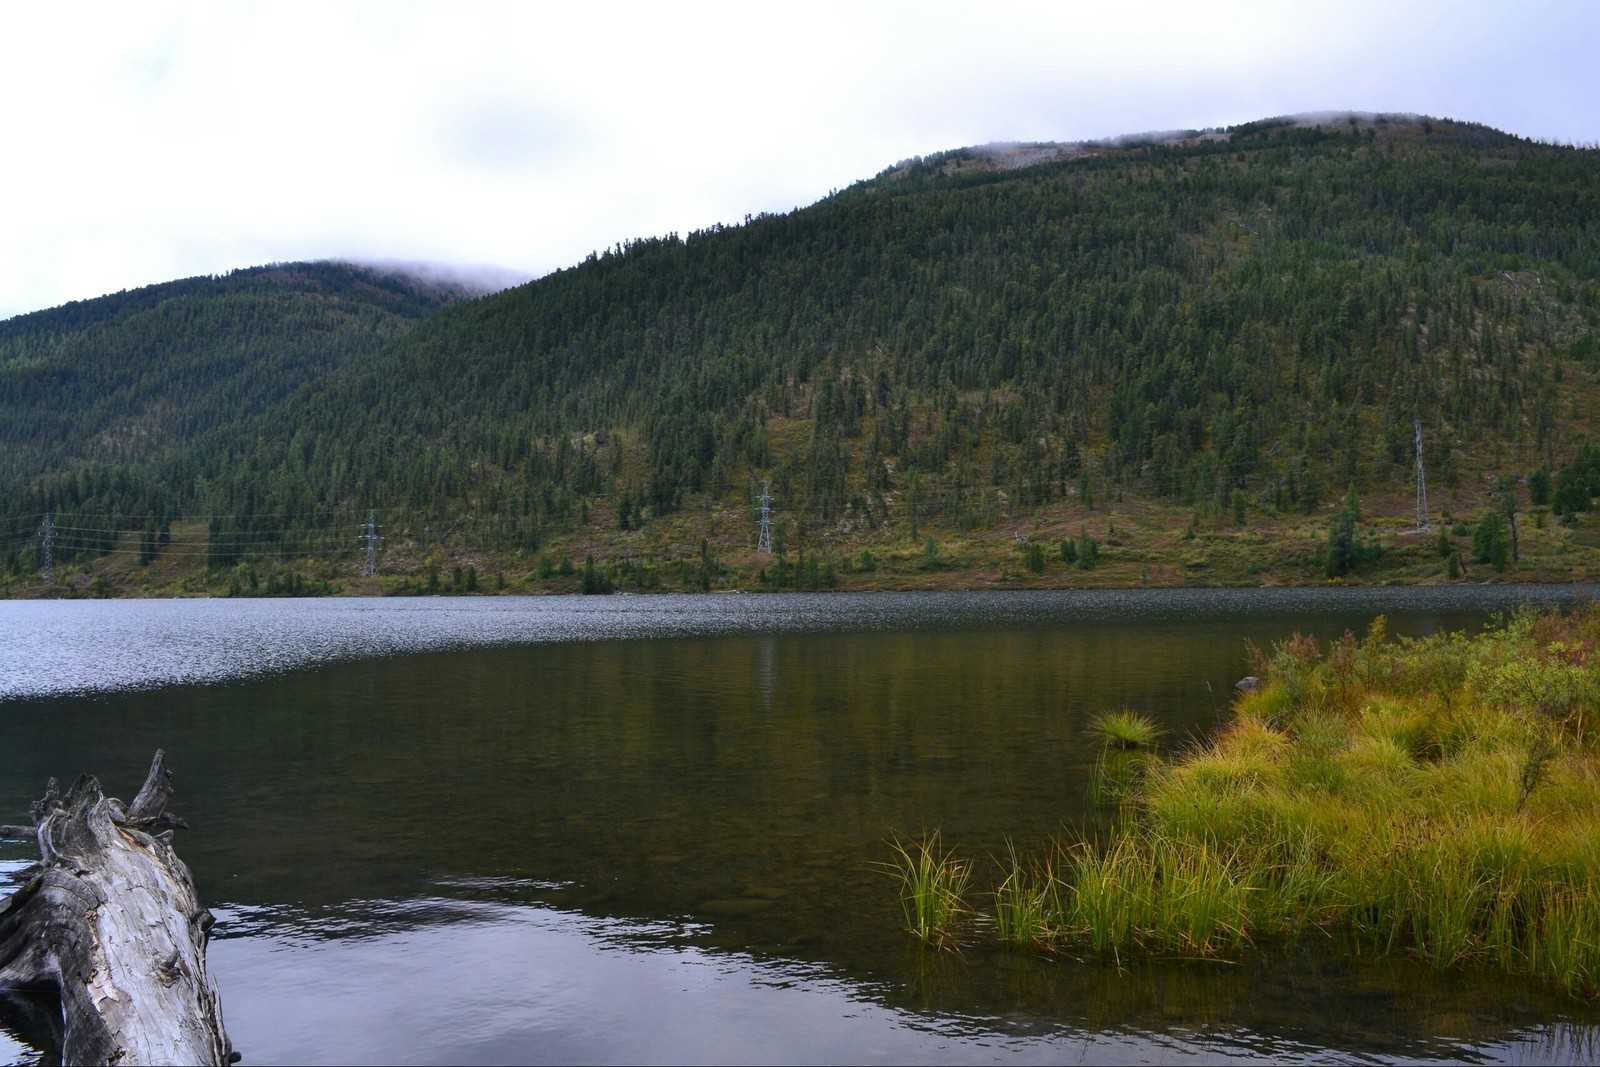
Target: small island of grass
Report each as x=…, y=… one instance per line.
x=1433, y=795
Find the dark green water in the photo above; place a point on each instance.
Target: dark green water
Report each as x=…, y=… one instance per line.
x=645, y=828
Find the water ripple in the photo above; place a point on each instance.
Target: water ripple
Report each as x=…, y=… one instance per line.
x=56, y=647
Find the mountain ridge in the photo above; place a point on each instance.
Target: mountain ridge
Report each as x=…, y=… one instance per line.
x=1227, y=331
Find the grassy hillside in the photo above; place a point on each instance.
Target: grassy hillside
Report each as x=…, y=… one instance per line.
x=1177, y=353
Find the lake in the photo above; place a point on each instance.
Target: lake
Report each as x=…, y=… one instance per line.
x=612, y=829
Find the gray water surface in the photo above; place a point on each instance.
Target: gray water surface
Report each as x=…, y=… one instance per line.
x=64, y=646
x=645, y=828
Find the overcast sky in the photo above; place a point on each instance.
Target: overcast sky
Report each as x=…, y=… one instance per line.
x=150, y=141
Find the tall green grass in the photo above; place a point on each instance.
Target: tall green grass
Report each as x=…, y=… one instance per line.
x=1439, y=796
x=933, y=887
x=1027, y=900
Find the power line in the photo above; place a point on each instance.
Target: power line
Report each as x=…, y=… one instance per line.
x=927, y=495
x=930, y=497
x=235, y=537
x=200, y=548
x=234, y=555
x=246, y=516
x=101, y=533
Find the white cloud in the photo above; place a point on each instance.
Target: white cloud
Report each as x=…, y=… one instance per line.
x=158, y=140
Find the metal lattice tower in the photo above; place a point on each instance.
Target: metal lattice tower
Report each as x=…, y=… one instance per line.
x=764, y=542
x=1423, y=522
x=369, y=541
x=47, y=534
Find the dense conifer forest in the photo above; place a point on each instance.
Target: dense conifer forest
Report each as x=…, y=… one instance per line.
x=1199, y=357
x=121, y=379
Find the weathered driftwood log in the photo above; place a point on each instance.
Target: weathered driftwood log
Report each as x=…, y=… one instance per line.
x=111, y=920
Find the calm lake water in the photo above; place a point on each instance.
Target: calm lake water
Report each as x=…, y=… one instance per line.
x=644, y=828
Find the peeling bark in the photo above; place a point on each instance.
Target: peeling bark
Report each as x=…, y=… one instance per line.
x=111, y=921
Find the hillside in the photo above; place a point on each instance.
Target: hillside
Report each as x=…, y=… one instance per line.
x=123, y=377
x=1183, y=348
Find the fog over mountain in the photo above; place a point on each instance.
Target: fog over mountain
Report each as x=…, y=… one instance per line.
x=171, y=140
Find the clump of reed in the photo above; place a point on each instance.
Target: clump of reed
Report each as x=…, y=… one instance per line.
x=1127, y=740
x=1457, y=816
x=933, y=887
x=1027, y=901
x=1124, y=729
x=1154, y=893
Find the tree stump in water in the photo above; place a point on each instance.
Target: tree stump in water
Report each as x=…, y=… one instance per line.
x=110, y=919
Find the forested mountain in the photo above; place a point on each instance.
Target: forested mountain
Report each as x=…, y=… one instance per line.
x=121, y=378
x=1235, y=325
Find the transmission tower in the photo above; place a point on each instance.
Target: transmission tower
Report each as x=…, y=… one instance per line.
x=370, y=542
x=47, y=534
x=1423, y=522
x=764, y=542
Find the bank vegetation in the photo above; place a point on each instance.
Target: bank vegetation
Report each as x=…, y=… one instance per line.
x=1432, y=796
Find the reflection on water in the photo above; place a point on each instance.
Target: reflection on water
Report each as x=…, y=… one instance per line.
x=645, y=827
x=509, y=983
x=62, y=646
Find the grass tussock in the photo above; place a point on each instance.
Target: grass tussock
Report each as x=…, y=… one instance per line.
x=1438, y=796
x=933, y=887
x=1127, y=740
x=1125, y=730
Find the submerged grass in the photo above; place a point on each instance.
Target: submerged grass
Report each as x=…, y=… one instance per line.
x=1117, y=776
x=1439, y=796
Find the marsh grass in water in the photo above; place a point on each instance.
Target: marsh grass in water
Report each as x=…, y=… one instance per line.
x=1440, y=796
x=1125, y=730
x=1149, y=893
x=933, y=887
x=1127, y=739
x=1027, y=901
x=1116, y=777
